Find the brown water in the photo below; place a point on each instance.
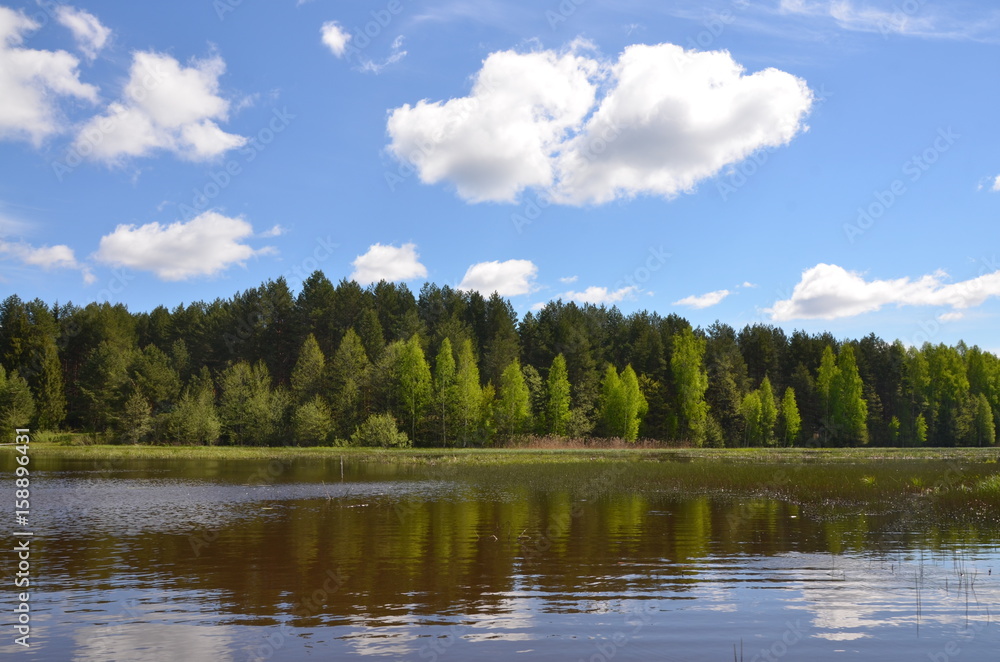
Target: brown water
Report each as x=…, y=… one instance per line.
x=239, y=560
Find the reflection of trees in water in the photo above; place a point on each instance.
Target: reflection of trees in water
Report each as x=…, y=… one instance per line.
x=466, y=550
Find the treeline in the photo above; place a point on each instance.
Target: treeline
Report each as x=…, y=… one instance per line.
x=342, y=364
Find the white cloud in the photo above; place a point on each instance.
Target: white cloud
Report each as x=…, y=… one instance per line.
x=914, y=19
x=389, y=263
x=953, y=316
x=828, y=291
x=397, y=53
x=90, y=35
x=601, y=295
x=32, y=81
x=501, y=139
x=203, y=246
x=335, y=37
x=668, y=118
x=568, y=279
x=747, y=283
x=275, y=231
x=996, y=183
x=701, y=301
x=165, y=105
x=46, y=257
x=509, y=278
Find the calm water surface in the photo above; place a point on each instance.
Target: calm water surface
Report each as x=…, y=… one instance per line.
x=238, y=560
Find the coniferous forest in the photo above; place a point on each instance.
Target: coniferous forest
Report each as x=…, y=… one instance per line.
x=380, y=366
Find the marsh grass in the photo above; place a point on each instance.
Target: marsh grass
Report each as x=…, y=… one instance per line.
x=931, y=481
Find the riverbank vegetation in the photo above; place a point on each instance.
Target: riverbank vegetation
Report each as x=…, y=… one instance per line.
x=346, y=365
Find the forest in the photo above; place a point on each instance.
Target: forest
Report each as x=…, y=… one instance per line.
x=379, y=366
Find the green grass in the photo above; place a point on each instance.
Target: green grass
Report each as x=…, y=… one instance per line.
x=74, y=447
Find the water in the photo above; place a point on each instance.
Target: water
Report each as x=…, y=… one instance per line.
x=240, y=560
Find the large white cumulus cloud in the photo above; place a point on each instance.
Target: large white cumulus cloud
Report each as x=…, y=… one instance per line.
x=656, y=121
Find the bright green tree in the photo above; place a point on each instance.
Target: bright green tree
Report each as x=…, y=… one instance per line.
x=380, y=430
x=445, y=388
x=613, y=404
x=791, y=421
x=311, y=422
x=750, y=411
x=468, y=393
x=557, y=387
x=513, y=405
x=413, y=383
x=348, y=379
x=635, y=403
x=691, y=382
x=848, y=408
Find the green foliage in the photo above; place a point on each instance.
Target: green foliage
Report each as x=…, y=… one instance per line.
x=311, y=422
x=194, y=421
x=691, y=382
x=848, y=409
x=768, y=412
x=557, y=405
x=513, y=405
x=91, y=368
x=349, y=377
x=468, y=394
x=445, y=391
x=791, y=421
x=136, y=419
x=622, y=403
x=251, y=411
x=380, y=430
x=307, y=375
x=750, y=410
x=17, y=406
x=412, y=381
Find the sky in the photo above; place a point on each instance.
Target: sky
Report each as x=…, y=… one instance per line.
x=813, y=164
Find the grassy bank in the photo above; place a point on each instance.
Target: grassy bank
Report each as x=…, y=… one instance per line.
x=41, y=448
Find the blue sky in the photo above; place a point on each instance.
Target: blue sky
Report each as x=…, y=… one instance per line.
x=814, y=164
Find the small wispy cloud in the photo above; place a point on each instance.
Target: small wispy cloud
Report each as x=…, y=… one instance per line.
x=700, y=301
